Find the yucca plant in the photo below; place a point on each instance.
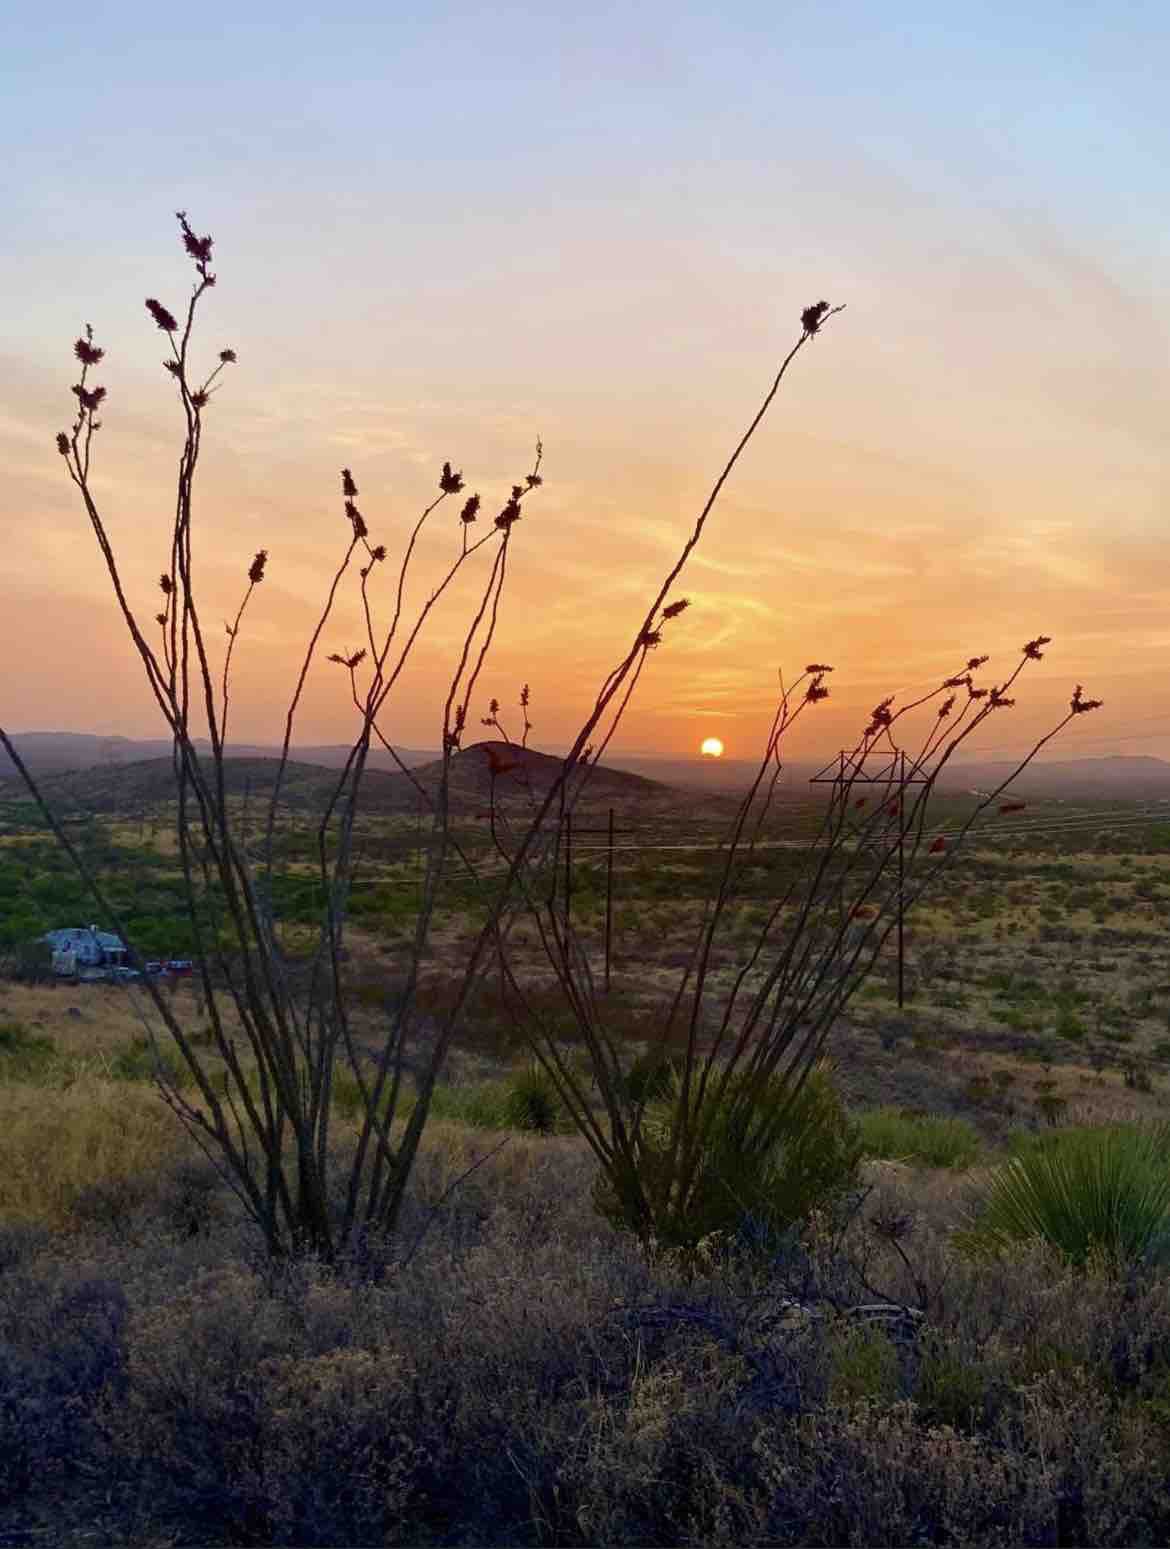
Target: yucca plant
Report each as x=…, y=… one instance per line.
x=532, y=1102
x=1089, y=1194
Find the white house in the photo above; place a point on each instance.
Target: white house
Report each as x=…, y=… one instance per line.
x=79, y=947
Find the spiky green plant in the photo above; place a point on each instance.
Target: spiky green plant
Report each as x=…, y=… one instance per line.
x=1101, y=1193
x=532, y=1103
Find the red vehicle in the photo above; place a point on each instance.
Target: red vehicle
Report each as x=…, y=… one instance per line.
x=179, y=965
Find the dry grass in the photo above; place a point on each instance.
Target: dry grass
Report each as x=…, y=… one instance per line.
x=58, y=1143
x=86, y=1021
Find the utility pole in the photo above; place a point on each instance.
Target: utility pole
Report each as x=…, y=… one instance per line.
x=568, y=873
x=608, y=899
x=846, y=772
x=608, y=831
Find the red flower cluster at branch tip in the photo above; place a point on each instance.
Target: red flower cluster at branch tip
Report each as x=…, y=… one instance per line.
x=348, y=661
x=87, y=353
x=672, y=610
x=172, y=366
x=166, y=585
x=977, y=661
x=63, y=443
x=228, y=357
x=815, y=669
x=160, y=618
x=198, y=247
x=509, y=515
x=470, y=510
x=812, y=317
x=882, y=717
x=1012, y=806
x=379, y=552
x=359, y=522
x=946, y=707
x=256, y=568
x=162, y=317
x=1032, y=649
x=348, y=488
x=534, y=481
x=1081, y=706
x=938, y=846
x=960, y=681
x=649, y=638
x=976, y=693
x=816, y=691
x=450, y=483
x=999, y=700
x=200, y=398
x=89, y=397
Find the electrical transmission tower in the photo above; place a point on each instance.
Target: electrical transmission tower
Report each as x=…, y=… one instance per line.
x=848, y=771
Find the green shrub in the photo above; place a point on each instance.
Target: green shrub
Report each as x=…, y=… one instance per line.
x=33, y=962
x=1018, y=1021
x=1070, y=1026
x=767, y=1160
x=1086, y=1192
x=531, y=1103
x=933, y=1141
x=649, y=1077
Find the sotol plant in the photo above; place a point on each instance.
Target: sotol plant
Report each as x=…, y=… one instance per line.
x=1086, y=1192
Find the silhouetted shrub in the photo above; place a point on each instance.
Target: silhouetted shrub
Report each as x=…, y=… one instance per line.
x=768, y=1157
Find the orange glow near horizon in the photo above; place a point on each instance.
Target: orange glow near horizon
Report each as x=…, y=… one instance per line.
x=972, y=454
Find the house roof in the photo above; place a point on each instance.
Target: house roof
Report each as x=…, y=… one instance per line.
x=72, y=935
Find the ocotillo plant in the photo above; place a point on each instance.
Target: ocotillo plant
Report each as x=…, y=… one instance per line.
x=872, y=859
x=266, y=1120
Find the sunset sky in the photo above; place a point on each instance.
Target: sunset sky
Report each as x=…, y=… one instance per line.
x=441, y=233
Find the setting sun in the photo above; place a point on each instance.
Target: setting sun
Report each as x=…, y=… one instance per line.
x=712, y=748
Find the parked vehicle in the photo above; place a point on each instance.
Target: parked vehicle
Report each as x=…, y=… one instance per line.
x=121, y=974
x=179, y=965
x=155, y=966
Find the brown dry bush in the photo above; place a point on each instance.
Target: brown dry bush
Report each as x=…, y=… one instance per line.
x=528, y=1378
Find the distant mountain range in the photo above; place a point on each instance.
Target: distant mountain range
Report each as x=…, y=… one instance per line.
x=54, y=752
x=516, y=775
x=1120, y=777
